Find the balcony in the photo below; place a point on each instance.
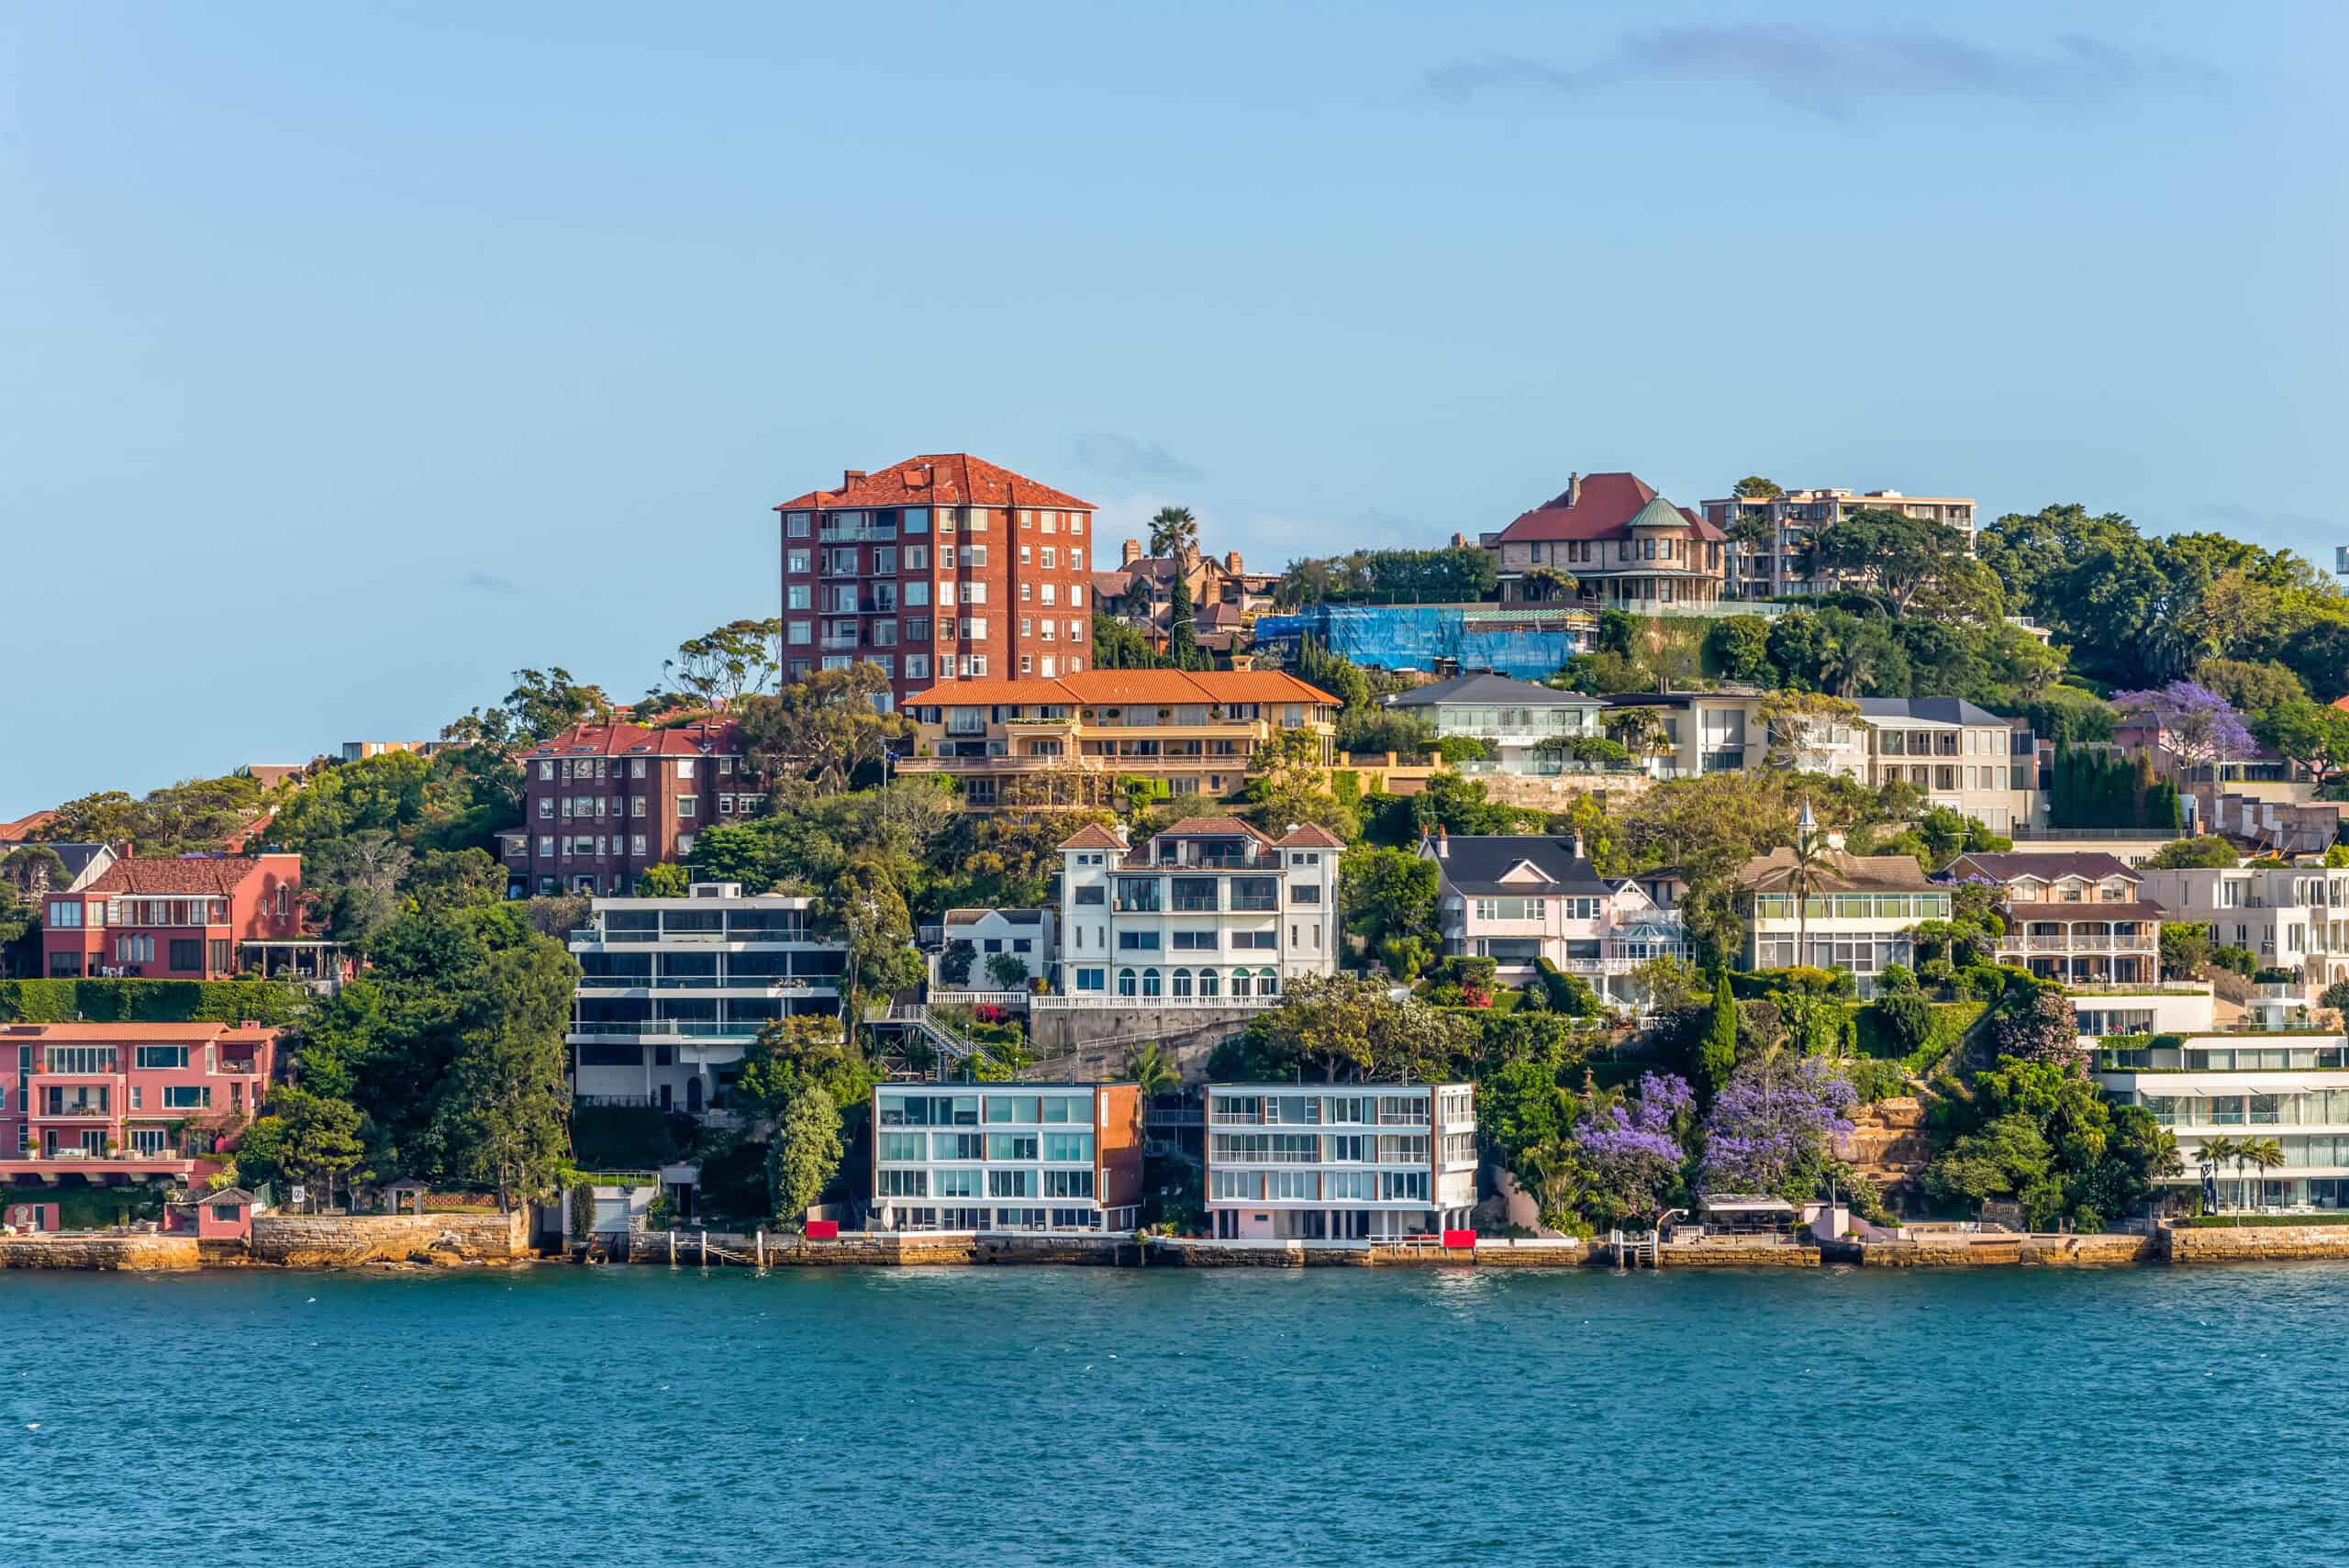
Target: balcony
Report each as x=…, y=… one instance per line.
x=852, y=533
x=837, y=642
x=2079, y=943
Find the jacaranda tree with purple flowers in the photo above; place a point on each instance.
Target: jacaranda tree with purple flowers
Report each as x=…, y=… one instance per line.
x=1773, y=1128
x=1631, y=1152
x=2196, y=722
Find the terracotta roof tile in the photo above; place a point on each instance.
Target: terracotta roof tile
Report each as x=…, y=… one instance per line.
x=1209, y=828
x=1097, y=688
x=1092, y=836
x=218, y=876
x=1310, y=836
x=938, y=479
x=1603, y=508
x=696, y=740
x=26, y=827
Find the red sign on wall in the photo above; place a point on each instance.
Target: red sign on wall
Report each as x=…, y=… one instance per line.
x=823, y=1229
x=1459, y=1239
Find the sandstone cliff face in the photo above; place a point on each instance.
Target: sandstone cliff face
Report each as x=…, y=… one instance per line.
x=1889, y=1146
x=106, y=1252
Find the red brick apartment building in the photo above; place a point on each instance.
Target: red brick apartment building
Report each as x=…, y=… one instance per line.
x=942, y=567
x=604, y=801
x=190, y=917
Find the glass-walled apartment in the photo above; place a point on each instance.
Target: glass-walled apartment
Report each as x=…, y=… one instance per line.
x=2290, y=1091
x=1006, y=1157
x=1339, y=1162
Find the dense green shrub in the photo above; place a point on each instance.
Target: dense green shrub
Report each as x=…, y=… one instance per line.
x=1905, y=1019
x=149, y=1001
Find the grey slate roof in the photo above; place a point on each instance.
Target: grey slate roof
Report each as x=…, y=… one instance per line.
x=1474, y=865
x=1498, y=690
x=1937, y=710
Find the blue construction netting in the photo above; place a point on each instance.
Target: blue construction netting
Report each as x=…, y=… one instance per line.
x=1526, y=643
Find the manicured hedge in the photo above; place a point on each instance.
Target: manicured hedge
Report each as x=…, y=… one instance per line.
x=148, y=1001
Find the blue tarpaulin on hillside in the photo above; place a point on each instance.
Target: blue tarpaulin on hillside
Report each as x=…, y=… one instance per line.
x=1524, y=640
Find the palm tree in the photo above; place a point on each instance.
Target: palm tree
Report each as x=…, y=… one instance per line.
x=2262, y=1155
x=2217, y=1152
x=1153, y=1069
x=1173, y=531
x=1805, y=876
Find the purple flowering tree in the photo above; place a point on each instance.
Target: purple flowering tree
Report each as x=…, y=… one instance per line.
x=1774, y=1127
x=2194, y=721
x=1631, y=1153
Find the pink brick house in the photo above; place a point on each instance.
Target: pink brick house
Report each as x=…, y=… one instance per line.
x=185, y=917
x=111, y=1105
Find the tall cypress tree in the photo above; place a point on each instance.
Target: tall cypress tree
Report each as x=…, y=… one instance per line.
x=1717, y=1057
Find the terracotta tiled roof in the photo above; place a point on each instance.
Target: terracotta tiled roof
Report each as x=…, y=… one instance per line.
x=2342, y=702
x=1310, y=836
x=1097, y=688
x=1603, y=508
x=1092, y=836
x=1838, y=873
x=938, y=479
x=24, y=828
x=215, y=875
x=130, y=1034
x=634, y=740
x=1210, y=827
x=1110, y=584
x=2044, y=864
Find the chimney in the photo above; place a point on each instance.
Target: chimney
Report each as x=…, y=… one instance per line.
x=1443, y=844
x=1133, y=552
x=1458, y=541
x=1120, y=829
x=1578, y=855
x=1573, y=489
x=850, y=476
x=1231, y=562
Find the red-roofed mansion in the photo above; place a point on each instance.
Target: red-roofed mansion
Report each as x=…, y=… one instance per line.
x=942, y=567
x=1210, y=912
x=189, y=917
x=1624, y=546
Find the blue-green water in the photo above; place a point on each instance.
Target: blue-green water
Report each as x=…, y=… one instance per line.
x=1081, y=1417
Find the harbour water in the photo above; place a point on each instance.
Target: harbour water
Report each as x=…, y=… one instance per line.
x=958, y=1416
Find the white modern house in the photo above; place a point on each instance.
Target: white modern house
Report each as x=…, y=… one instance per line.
x=1006, y=1157
x=1020, y=937
x=1209, y=909
x=1512, y=716
x=672, y=990
x=2292, y=917
x=2292, y=1088
x=1340, y=1161
x=1516, y=899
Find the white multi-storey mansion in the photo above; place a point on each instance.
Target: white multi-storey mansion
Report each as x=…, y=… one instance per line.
x=1516, y=899
x=1006, y=1157
x=670, y=990
x=1340, y=1161
x=1209, y=909
x=2291, y=1088
x=2292, y=917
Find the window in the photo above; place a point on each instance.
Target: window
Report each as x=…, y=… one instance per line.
x=915, y=520
x=173, y=1057
x=956, y=1184
x=795, y=524
x=800, y=561
x=186, y=955
x=1068, y=1183
x=1051, y=593
x=974, y=592
x=1011, y=1184
x=798, y=633
x=901, y=1183
x=1052, y=557
x=187, y=1096
x=685, y=805
x=1091, y=979
x=1069, y=1148
x=904, y=1147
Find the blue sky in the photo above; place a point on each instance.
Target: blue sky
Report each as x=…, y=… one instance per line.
x=352, y=357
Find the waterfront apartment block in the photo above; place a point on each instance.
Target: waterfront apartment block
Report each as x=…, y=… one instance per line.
x=2076, y=917
x=107, y=1105
x=2291, y=1088
x=1209, y=910
x=1858, y=920
x=942, y=567
x=1517, y=898
x=1070, y=740
x=1006, y=1157
x=604, y=801
x=1609, y=540
x=1774, y=566
x=672, y=990
x=2293, y=916
x=1344, y=1161
x=186, y=917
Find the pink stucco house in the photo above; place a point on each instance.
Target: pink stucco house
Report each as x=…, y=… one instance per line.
x=111, y=1105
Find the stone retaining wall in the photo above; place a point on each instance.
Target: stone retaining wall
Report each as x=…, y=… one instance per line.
x=1963, y=1252
x=348, y=1241
x=1702, y=1255
x=2253, y=1243
x=107, y=1252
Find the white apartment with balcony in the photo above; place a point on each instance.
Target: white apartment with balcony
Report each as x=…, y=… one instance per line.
x=672, y=990
x=2293, y=1088
x=1340, y=1161
x=2291, y=917
x=1006, y=1157
x=1208, y=912
x=1515, y=898
x=1512, y=716
x=2074, y=916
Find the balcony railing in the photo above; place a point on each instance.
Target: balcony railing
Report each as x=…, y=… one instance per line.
x=851, y=533
x=2079, y=943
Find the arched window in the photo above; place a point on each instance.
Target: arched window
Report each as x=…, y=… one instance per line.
x=1150, y=982
x=1182, y=982
x=1210, y=983
x=1270, y=985
x=1241, y=984
x=1124, y=983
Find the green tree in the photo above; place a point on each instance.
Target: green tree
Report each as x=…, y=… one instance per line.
x=1739, y=647
x=1387, y=893
x=665, y=881
x=1717, y=1057
x=307, y=1139
x=1288, y=785
x=2301, y=731
x=1753, y=487
x=502, y=1114
x=725, y=664
x=542, y=704
x=2182, y=853
x=440, y=880
x=806, y=1152
x=1346, y=1029
x=1174, y=532
x=1898, y=555
x=1183, y=629
x=33, y=868
x=1153, y=1070
x=2009, y=1158
x=820, y=730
